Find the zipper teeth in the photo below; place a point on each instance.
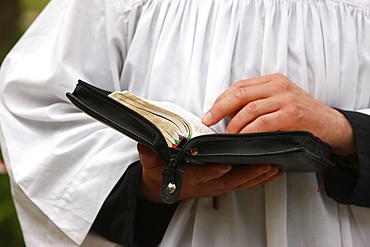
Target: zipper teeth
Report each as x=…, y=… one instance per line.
x=287, y=140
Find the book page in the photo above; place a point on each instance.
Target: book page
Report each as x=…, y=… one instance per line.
x=173, y=121
x=194, y=121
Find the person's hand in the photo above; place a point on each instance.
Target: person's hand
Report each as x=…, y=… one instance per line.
x=273, y=102
x=202, y=181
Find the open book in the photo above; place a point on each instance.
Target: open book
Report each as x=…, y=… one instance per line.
x=179, y=138
x=174, y=122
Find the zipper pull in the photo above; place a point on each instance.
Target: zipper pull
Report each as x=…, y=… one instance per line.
x=172, y=178
x=171, y=186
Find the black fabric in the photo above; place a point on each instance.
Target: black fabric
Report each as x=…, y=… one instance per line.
x=344, y=185
x=130, y=221
x=116, y=218
x=151, y=222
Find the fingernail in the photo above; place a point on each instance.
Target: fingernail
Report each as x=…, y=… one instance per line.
x=263, y=170
x=224, y=170
x=274, y=170
x=207, y=118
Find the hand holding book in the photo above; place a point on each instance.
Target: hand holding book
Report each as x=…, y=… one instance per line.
x=207, y=180
x=150, y=124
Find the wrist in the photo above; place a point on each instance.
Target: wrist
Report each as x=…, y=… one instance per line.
x=344, y=142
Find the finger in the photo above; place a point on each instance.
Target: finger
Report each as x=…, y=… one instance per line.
x=204, y=173
x=265, y=178
x=268, y=177
x=235, y=99
x=244, y=92
x=148, y=158
x=231, y=181
x=273, y=121
x=247, y=174
x=198, y=179
x=251, y=112
x=231, y=104
x=145, y=151
x=240, y=183
x=246, y=83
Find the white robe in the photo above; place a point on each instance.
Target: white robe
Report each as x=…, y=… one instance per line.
x=63, y=164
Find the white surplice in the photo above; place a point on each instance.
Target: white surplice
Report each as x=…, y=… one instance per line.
x=63, y=164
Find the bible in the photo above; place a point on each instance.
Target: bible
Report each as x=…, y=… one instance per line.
x=179, y=137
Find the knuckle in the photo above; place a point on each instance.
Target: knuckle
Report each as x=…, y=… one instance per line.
x=283, y=85
x=291, y=98
x=279, y=75
x=264, y=122
x=291, y=110
x=253, y=107
x=241, y=84
x=240, y=94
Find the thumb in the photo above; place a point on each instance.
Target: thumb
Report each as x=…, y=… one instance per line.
x=149, y=159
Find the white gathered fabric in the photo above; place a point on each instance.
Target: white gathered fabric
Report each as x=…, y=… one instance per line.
x=63, y=164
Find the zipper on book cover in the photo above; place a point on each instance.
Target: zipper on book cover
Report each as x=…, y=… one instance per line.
x=173, y=174
x=171, y=186
x=172, y=177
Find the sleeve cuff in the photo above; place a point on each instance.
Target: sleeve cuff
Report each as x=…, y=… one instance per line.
x=125, y=219
x=343, y=184
x=115, y=220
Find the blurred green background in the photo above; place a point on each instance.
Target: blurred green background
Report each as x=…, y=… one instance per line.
x=15, y=17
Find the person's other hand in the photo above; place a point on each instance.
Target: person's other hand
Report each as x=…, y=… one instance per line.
x=202, y=181
x=273, y=102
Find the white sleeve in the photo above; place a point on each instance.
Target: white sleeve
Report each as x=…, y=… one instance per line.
x=62, y=163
